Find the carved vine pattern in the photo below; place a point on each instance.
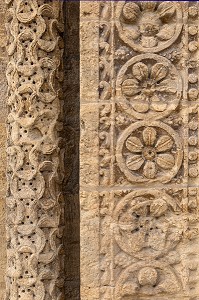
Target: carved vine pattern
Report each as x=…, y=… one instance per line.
x=34, y=201
x=105, y=51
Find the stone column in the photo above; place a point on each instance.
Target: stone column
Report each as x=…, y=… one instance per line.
x=34, y=199
x=139, y=150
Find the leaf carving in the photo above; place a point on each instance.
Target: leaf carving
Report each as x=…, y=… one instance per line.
x=159, y=71
x=134, y=162
x=131, y=11
x=165, y=161
x=130, y=87
x=140, y=71
x=166, y=9
x=149, y=136
x=149, y=170
x=134, y=144
x=164, y=143
x=166, y=32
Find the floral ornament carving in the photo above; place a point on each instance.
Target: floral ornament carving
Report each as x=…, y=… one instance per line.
x=145, y=85
x=146, y=225
x=148, y=279
x=148, y=86
x=149, y=153
x=148, y=26
x=35, y=209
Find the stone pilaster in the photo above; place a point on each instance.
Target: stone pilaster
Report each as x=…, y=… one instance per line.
x=34, y=199
x=139, y=150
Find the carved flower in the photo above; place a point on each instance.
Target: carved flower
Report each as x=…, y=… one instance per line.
x=148, y=88
x=149, y=21
x=151, y=153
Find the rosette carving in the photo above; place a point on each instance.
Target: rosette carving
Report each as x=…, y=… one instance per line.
x=148, y=26
x=149, y=153
x=148, y=86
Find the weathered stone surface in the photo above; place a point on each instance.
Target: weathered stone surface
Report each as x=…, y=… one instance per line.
x=35, y=216
x=139, y=151
x=3, y=138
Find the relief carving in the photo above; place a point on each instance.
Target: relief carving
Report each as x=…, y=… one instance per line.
x=150, y=244
x=35, y=155
x=149, y=85
x=148, y=280
x=146, y=215
x=105, y=54
x=149, y=152
x=147, y=26
x=146, y=225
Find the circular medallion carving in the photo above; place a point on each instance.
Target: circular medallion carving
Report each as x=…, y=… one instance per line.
x=148, y=87
x=149, y=152
x=145, y=225
x=148, y=26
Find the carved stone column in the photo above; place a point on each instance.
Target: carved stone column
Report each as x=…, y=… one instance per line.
x=139, y=150
x=34, y=199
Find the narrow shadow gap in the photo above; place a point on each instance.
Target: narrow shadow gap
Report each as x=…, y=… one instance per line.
x=71, y=135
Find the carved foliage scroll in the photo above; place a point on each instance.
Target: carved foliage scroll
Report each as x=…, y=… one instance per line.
x=34, y=200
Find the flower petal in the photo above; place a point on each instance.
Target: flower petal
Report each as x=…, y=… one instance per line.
x=140, y=71
x=149, y=41
x=134, y=144
x=149, y=170
x=145, y=5
x=167, y=32
x=159, y=71
x=140, y=106
x=165, y=161
x=131, y=11
x=130, y=87
x=134, y=162
x=157, y=104
x=149, y=136
x=164, y=143
x=155, y=98
x=166, y=10
x=167, y=86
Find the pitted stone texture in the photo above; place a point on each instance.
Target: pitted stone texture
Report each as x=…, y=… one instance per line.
x=35, y=215
x=139, y=151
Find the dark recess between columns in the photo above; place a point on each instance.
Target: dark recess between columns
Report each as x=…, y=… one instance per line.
x=71, y=91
